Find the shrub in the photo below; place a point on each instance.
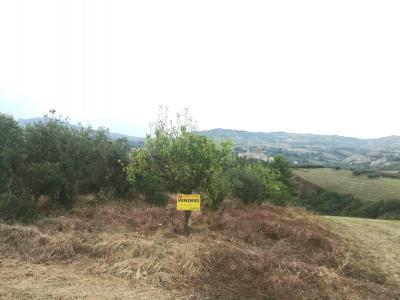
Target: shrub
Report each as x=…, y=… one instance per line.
x=217, y=190
x=177, y=160
x=45, y=178
x=66, y=160
x=331, y=203
x=248, y=187
x=257, y=182
x=18, y=205
x=54, y=158
x=157, y=197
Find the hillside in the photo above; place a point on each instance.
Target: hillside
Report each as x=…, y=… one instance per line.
x=344, y=182
x=127, y=250
x=374, y=243
x=315, y=149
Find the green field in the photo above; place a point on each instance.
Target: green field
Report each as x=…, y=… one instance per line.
x=344, y=182
x=375, y=244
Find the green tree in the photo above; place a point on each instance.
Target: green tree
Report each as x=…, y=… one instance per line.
x=66, y=160
x=283, y=167
x=12, y=151
x=15, y=200
x=255, y=181
x=176, y=159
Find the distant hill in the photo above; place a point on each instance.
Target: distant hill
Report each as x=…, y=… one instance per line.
x=132, y=140
x=329, y=150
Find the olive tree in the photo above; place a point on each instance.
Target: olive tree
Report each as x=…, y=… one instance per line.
x=177, y=159
x=16, y=202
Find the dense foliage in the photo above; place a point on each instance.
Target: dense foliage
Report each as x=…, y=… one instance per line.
x=376, y=174
x=176, y=159
x=256, y=181
x=54, y=159
x=331, y=203
x=52, y=162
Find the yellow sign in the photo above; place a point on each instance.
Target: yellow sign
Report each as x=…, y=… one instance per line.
x=188, y=202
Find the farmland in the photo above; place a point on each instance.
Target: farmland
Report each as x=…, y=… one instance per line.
x=344, y=182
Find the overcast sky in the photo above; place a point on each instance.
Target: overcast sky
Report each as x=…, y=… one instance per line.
x=329, y=67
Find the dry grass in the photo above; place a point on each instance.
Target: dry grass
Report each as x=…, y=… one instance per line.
x=237, y=253
x=375, y=246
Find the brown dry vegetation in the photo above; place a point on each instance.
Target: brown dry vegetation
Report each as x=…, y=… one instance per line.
x=125, y=250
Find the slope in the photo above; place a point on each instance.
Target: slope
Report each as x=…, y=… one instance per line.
x=375, y=244
x=344, y=182
x=120, y=250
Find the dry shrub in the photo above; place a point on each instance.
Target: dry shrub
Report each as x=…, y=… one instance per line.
x=231, y=272
x=30, y=244
x=20, y=240
x=237, y=253
x=276, y=253
x=43, y=203
x=269, y=252
x=152, y=219
x=116, y=216
x=258, y=226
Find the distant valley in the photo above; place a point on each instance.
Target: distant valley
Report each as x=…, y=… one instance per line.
x=311, y=149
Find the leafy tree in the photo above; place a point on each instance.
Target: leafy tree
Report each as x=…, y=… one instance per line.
x=12, y=151
x=66, y=160
x=283, y=167
x=15, y=200
x=176, y=159
x=254, y=181
x=45, y=178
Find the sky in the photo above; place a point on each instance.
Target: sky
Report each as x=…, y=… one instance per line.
x=325, y=67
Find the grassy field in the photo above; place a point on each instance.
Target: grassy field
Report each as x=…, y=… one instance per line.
x=375, y=244
x=344, y=182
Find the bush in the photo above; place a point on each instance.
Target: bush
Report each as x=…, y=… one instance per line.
x=87, y=160
x=257, y=182
x=218, y=189
x=55, y=159
x=372, y=174
x=45, y=178
x=18, y=206
x=248, y=186
x=384, y=209
x=156, y=197
x=177, y=160
x=331, y=203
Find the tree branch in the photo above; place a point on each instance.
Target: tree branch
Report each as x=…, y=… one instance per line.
x=9, y=187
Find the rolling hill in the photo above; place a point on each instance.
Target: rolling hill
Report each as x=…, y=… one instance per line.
x=382, y=153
